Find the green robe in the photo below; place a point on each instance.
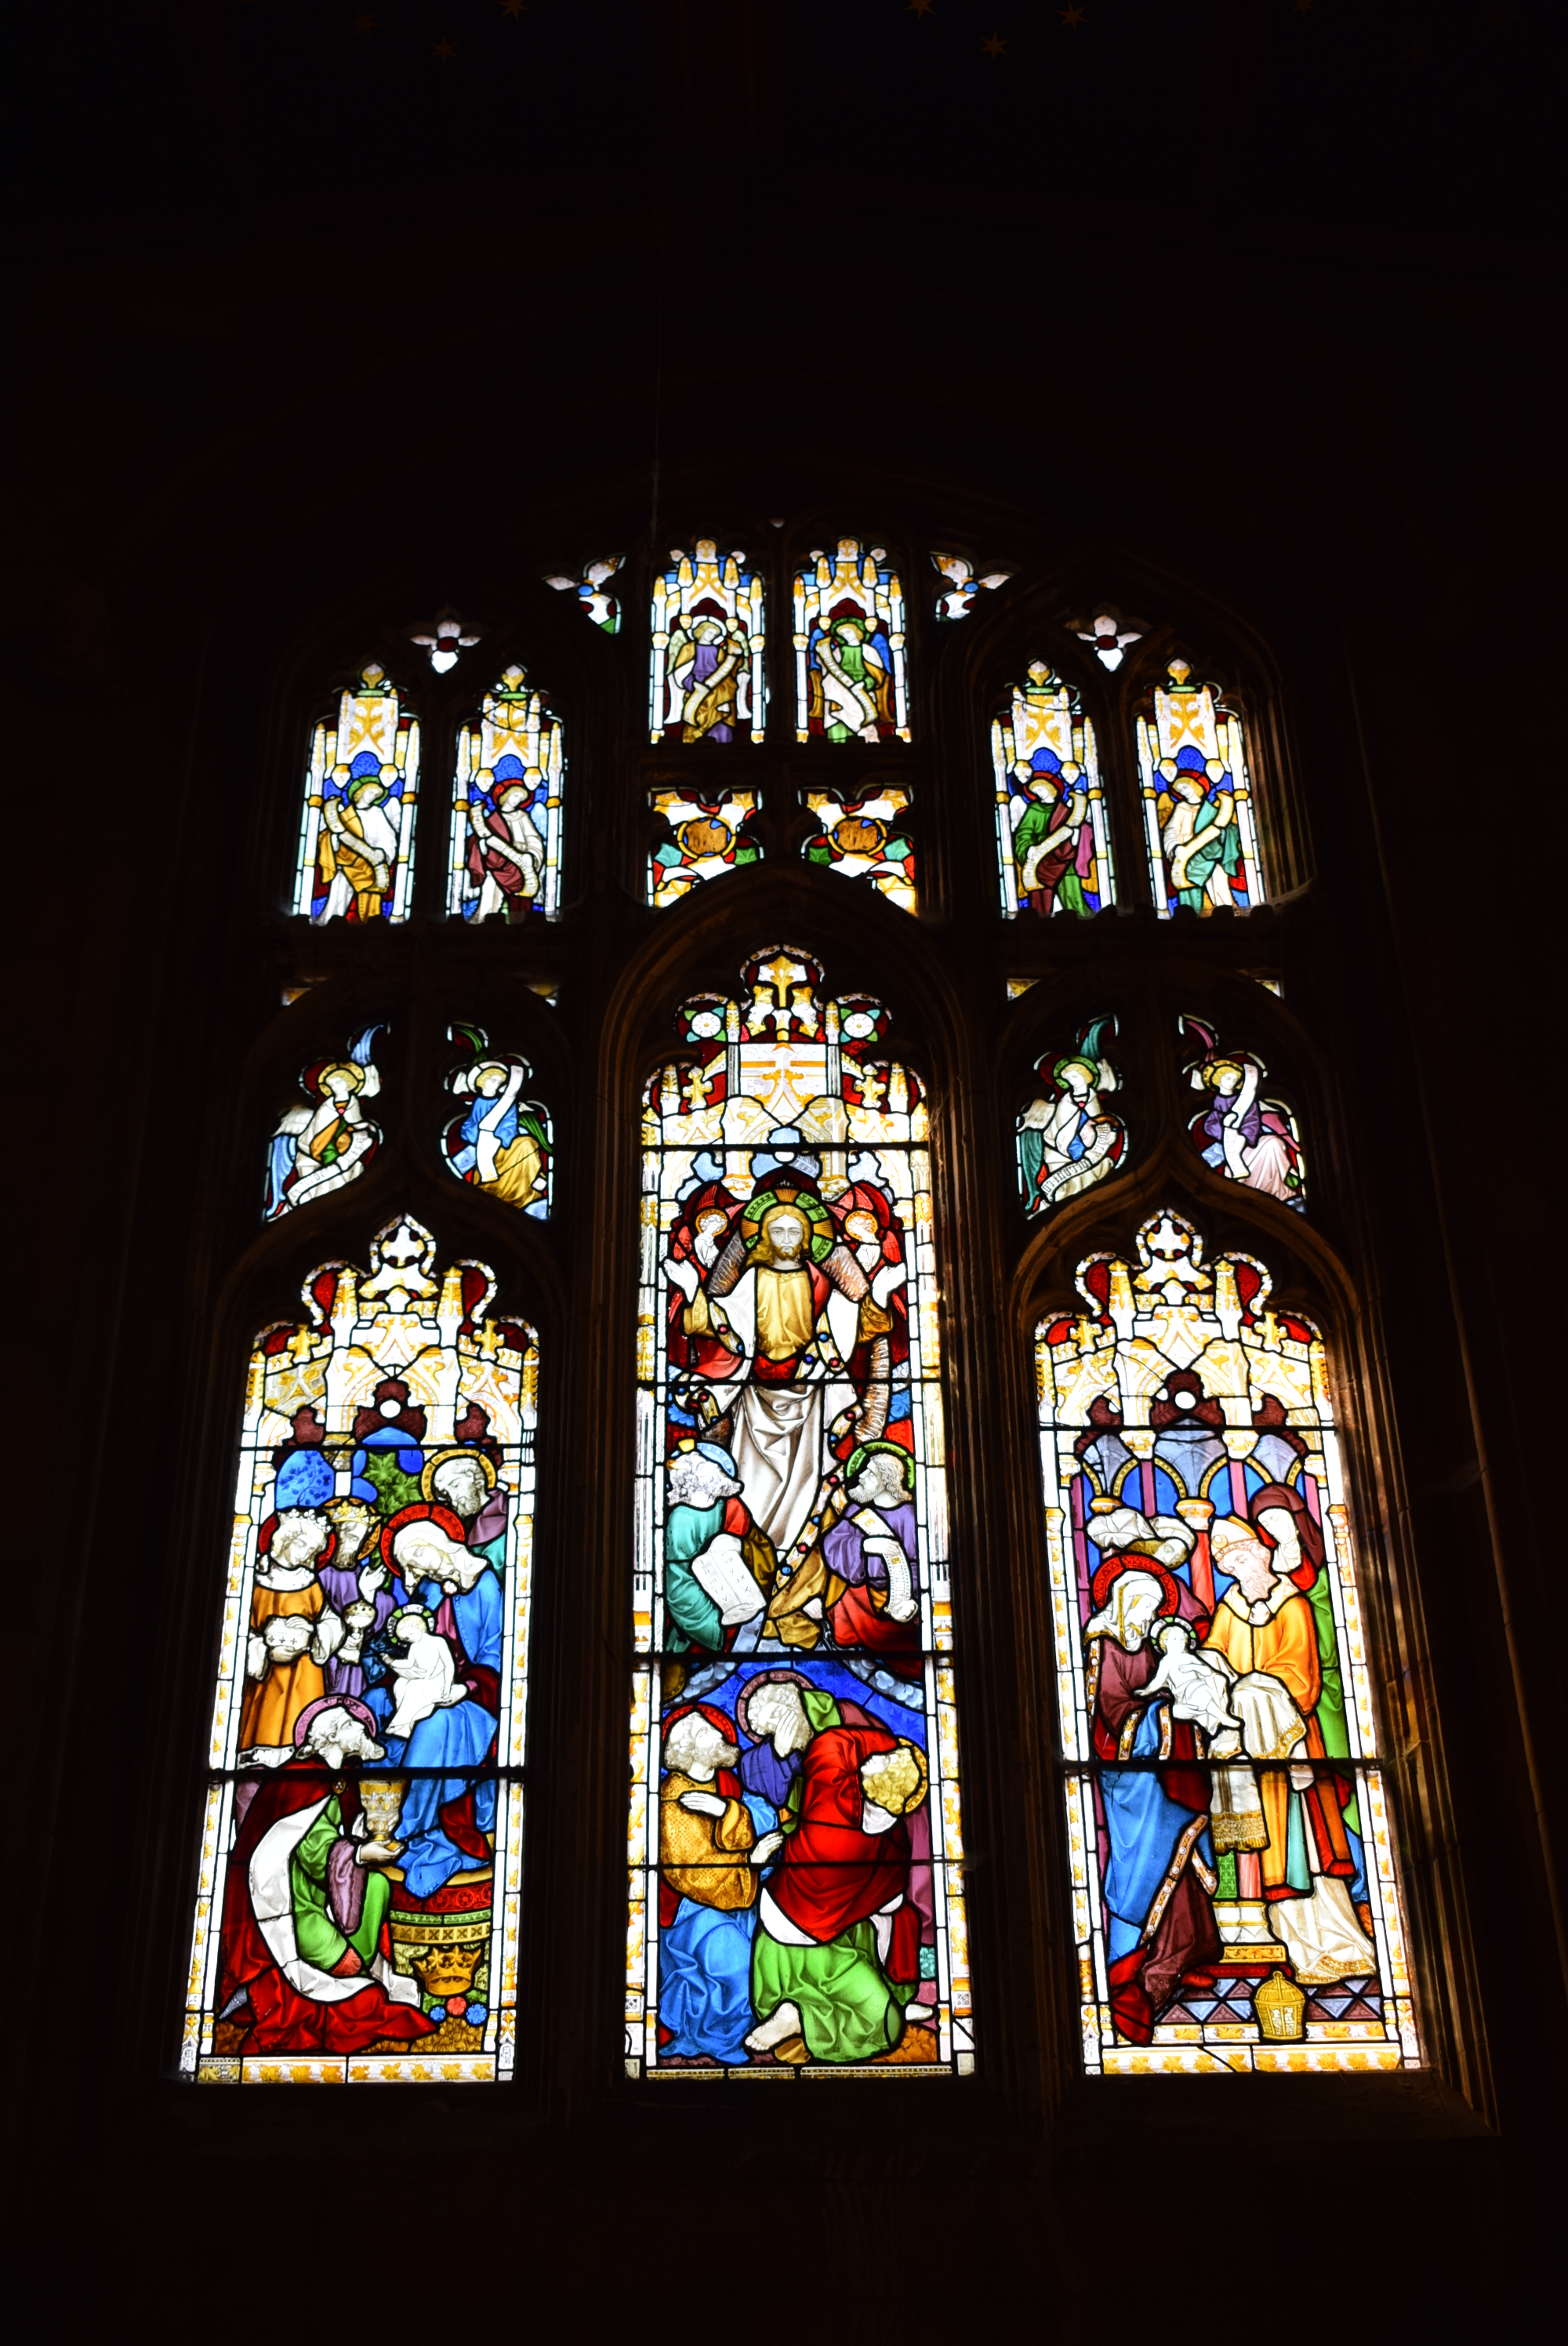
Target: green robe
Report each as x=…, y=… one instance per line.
x=319, y=1938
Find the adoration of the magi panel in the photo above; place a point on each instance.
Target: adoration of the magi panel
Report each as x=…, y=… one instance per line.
x=356, y=1916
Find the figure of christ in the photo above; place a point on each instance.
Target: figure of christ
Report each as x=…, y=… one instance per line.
x=1264, y=1633
x=304, y=1958
x=1159, y=1877
x=703, y=662
x=505, y=851
x=358, y=851
x=708, y=1892
x=771, y=1330
x=835, y=1960
x=1054, y=844
x=872, y=1554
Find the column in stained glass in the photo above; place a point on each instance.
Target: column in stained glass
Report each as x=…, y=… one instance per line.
x=705, y=836
x=1197, y=800
x=499, y=1141
x=358, y=1881
x=356, y=832
x=850, y=679
x=1068, y=1139
x=327, y=1139
x=863, y=838
x=1237, y=1132
x=795, y=1834
x=505, y=851
x=1052, y=840
x=1234, y=1902
x=707, y=678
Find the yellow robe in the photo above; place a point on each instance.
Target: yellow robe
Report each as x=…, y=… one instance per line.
x=1283, y=1645
x=273, y=1703
x=707, y=1859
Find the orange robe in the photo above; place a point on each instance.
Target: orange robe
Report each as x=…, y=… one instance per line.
x=1279, y=1637
x=273, y=1703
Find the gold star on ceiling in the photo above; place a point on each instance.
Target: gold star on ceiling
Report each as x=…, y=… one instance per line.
x=513, y=7
x=994, y=47
x=363, y=24
x=1071, y=18
x=443, y=49
x=920, y=7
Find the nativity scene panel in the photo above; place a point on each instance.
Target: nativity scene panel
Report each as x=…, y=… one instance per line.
x=795, y=1830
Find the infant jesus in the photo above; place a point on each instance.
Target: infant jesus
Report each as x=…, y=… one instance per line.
x=423, y=1671
x=1199, y=1689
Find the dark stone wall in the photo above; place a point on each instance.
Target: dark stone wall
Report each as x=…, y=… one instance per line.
x=248, y=443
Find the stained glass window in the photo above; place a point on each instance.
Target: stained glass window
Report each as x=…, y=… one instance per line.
x=356, y=1918
x=851, y=682
x=704, y=837
x=499, y=1141
x=794, y=1839
x=356, y=832
x=707, y=675
x=1107, y=634
x=507, y=807
x=326, y=1140
x=961, y=586
x=1068, y=1139
x=862, y=837
x=445, y=640
x=1237, y=1131
x=1233, y=1888
x=592, y=589
x=1197, y=800
x=1052, y=841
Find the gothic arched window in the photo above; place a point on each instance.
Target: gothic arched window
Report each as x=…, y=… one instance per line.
x=1230, y=1850
x=795, y=1833
x=357, y=1911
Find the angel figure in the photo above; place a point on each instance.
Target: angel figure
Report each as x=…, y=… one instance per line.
x=356, y=852
x=707, y=656
x=855, y=674
x=319, y=1148
x=1244, y=1138
x=1069, y=1140
x=502, y=1142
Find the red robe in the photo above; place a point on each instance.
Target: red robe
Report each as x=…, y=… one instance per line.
x=284, y=2020
x=834, y=1875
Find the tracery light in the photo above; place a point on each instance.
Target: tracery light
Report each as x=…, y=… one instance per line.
x=852, y=683
x=1197, y=800
x=355, y=862
x=1052, y=840
x=794, y=1835
x=1235, y=1899
x=357, y=1909
x=504, y=858
x=707, y=676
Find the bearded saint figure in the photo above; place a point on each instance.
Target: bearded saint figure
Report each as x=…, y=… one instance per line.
x=791, y=1340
